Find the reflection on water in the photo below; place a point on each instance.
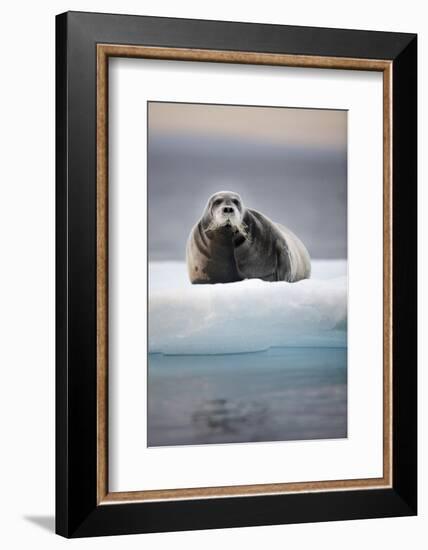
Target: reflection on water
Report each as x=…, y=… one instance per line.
x=224, y=416
x=278, y=395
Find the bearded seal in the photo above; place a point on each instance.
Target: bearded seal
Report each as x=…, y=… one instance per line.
x=231, y=243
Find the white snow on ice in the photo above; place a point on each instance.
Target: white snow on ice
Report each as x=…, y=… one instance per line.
x=247, y=316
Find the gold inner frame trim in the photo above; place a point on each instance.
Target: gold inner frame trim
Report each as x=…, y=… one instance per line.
x=104, y=51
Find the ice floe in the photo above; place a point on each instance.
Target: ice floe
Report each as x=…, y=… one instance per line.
x=246, y=316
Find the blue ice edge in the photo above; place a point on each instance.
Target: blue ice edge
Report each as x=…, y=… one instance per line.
x=256, y=352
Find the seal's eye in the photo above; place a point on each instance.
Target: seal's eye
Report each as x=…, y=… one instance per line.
x=235, y=202
x=217, y=202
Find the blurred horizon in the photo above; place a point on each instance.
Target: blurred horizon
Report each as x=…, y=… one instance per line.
x=290, y=164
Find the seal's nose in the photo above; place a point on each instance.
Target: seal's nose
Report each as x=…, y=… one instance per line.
x=227, y=210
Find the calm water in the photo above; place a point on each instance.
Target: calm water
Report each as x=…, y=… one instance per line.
x=278, y=395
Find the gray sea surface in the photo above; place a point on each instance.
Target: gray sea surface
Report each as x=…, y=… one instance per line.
x=282, y=394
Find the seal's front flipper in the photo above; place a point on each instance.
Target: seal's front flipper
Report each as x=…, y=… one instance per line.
x=252, y=261
x=238, y=240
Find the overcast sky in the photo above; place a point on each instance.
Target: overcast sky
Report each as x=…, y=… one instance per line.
x=291, y=164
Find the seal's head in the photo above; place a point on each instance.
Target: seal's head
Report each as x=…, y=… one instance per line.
x=224, y=211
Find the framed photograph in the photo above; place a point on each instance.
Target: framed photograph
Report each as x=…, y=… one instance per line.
x=236, y=274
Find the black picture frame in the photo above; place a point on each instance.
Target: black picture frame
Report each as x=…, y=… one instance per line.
x=77, y=512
